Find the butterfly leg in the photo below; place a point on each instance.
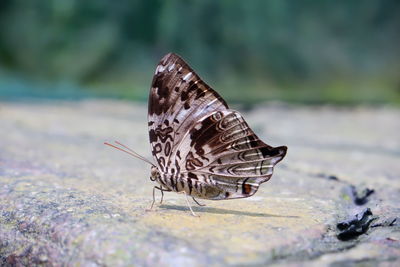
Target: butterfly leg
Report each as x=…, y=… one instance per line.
x=162, y=196
x=154, y=195
x=162, y=193
x=201, y=205
x=154, y=198
x=190, y=207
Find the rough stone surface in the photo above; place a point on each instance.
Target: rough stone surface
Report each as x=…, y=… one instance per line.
x=67, y=200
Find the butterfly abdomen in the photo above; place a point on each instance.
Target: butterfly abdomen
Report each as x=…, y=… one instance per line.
x=197, y=185
x=182, y=183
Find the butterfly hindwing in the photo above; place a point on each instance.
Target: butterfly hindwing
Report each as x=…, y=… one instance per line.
x=225, y=152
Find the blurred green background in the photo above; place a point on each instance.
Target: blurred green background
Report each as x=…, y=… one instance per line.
x=304, y=51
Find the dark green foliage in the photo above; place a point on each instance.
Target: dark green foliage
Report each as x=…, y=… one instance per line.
x=338, y=51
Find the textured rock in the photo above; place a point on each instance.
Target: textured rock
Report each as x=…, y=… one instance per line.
x=66, y=199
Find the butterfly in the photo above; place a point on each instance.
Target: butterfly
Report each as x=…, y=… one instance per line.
x=200, y=146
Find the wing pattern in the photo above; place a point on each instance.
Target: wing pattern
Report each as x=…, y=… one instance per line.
x=178, y=98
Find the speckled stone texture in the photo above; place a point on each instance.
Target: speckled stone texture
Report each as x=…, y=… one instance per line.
x=68, y=200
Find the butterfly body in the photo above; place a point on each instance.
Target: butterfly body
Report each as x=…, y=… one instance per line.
x=201, y=147
x=179, y=182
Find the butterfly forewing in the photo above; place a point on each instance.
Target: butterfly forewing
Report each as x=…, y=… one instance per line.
x=205, y=148
x=178, y=98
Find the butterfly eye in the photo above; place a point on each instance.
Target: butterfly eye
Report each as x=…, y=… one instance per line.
x=153, y=173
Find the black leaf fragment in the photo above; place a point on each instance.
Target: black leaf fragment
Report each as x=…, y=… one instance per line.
x=355, y=226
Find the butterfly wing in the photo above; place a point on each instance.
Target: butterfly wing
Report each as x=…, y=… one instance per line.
x=193, y=133
x=226, y=154
x=178, y=98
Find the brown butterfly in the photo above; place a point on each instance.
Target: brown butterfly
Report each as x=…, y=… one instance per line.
x=201, y=147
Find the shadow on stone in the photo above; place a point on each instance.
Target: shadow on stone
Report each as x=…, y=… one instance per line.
x=224, y=211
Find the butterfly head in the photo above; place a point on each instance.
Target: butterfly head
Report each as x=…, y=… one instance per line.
x=154, y=174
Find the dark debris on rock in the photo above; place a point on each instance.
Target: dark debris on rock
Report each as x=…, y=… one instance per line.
x=360, y=198
x=355, y=226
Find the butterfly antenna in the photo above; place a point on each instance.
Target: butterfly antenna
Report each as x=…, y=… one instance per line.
x=128, y=151
x=132, y=151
